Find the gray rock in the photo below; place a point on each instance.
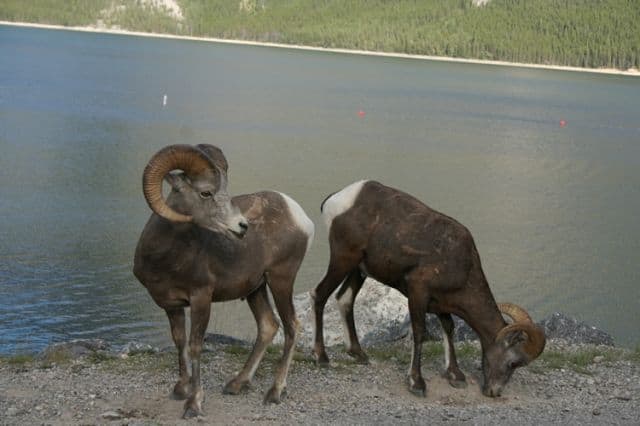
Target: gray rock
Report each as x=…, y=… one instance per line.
x=133, y=348
x=379, y=310
x=560, y=326
x=73, y=349
x=112, y=415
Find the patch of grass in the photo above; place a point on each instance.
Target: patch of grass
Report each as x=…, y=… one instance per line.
x=98, y=357
x=580, y=360
x=467, y=350
x=635, y=355
x=19, y=359
x=237, y=350
x=59, y=356
x=390, y=353
x=304, y=358
x=151, y=362
x=432, y=351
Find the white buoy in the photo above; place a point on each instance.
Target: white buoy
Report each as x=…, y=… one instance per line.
x=164, y=100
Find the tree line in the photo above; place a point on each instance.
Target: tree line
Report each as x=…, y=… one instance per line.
x=583, y=33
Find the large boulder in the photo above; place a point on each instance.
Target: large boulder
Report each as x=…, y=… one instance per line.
x=379, y=310
x=381, y=315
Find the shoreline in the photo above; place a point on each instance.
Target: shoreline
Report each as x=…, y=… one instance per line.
x=89, y=29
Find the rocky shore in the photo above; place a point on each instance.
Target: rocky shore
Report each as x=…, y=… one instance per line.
x=581, y=378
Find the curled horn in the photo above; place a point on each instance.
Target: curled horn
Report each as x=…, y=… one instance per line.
x=215, y=155
x=173, y=157
x=515, y=312
x=536, y=339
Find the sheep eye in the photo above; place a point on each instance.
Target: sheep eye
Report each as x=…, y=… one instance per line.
x=205, y=194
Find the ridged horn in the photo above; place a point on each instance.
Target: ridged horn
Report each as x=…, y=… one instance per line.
x=536, y=339
x=515, y=312
x=215, y=155
x=173, y=157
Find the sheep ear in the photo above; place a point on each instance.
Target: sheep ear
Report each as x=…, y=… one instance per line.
x=178, y=181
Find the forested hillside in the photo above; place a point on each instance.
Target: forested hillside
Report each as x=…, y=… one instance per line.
x=585, y=33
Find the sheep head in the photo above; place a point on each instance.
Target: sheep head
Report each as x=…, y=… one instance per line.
x=515, y=345
x=198, y=178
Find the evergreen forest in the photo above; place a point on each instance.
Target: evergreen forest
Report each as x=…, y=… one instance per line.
x=582, y=33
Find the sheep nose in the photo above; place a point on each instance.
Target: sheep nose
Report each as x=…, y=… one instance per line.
x=491, y=391
x=244, y=226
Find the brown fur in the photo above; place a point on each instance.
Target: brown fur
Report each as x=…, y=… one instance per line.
x=431, y=259
x=185, y=264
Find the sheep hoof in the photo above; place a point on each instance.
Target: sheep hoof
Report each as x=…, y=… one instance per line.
x=359, y=356
x=274, y=396
x=458, y=384
x=322, y=360
x=193, y=405
x=456, y=380
x=417, y=387
x=190, y=413
x=234, y=387
x=181, y=391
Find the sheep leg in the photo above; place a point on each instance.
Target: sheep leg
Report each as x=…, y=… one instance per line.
x=338, y=269
x=346, y=298
x=452, y=372
x=267, y=327
x=281, y=284
x=200, y=312
x=417, y=311
x=182, y=389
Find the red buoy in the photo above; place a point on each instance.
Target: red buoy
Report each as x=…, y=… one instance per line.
x=361, y=114
x=563, y=123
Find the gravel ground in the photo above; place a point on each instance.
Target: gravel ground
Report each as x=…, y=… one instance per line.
x=570, y=385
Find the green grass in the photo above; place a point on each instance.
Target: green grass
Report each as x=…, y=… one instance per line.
x=20, y=359
x=579, y=361
x=432, y=352
x=237, y=350
x=635, y=355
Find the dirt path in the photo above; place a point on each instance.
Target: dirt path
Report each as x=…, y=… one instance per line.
x=134, y=391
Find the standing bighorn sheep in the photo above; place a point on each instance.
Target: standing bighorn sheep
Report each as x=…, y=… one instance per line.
x=201, y=246
x=432, y=259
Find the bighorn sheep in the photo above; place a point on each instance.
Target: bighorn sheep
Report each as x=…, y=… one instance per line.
x=201, y=246
x=432, y=259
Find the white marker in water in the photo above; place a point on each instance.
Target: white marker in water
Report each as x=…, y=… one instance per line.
x=164, y=100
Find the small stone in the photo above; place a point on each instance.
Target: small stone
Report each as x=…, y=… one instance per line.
x=11, y=411
x=112, y=415
x=623, y=396
x=596, y=412
x=598, y=359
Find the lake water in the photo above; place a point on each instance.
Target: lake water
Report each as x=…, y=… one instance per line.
x=554, y=209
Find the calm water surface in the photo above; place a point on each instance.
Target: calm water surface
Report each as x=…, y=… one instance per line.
x=554, y=210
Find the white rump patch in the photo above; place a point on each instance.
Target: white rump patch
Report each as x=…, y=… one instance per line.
x=341, y=201
x=300, y=218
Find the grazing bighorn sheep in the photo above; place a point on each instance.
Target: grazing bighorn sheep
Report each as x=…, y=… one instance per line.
x=201, y=246
x=432, y=259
